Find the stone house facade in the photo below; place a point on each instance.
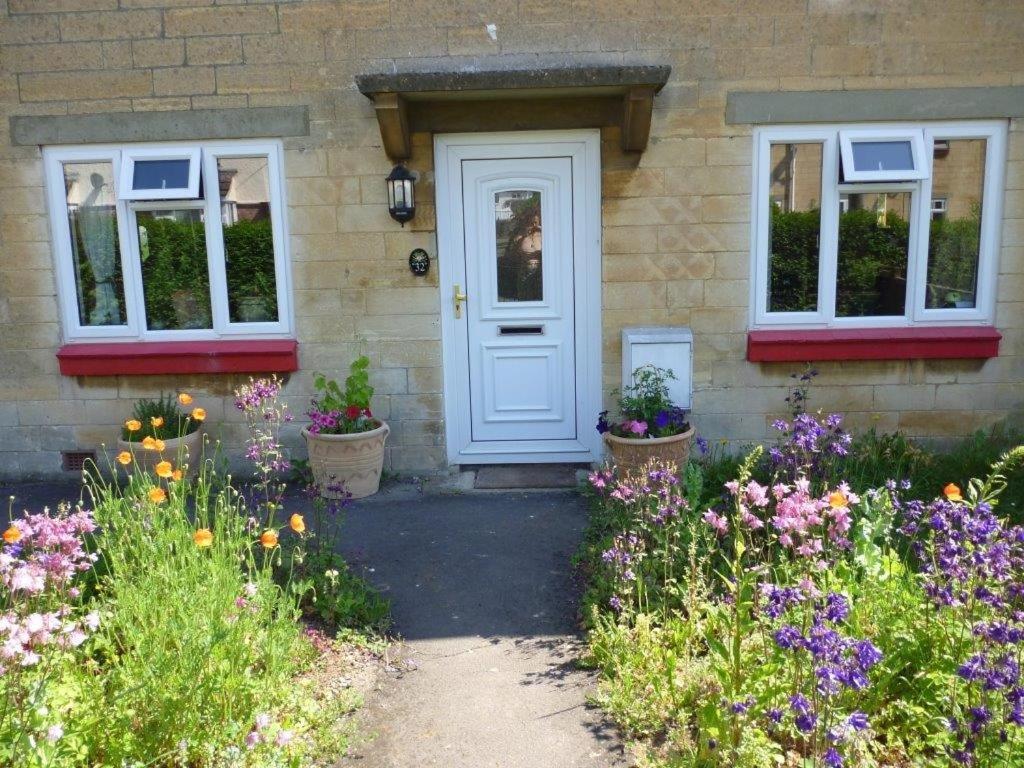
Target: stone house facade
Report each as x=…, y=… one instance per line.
x=679, y=212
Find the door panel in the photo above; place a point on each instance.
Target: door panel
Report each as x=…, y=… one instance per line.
x=517, y=217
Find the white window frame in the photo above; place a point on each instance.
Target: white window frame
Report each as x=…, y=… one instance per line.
x=132, y=155
x=994, y=133
x=915, y=136
x=134, y=329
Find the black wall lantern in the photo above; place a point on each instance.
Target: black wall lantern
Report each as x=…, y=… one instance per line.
x=401, y=201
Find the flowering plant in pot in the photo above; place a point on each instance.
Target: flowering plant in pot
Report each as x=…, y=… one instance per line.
x=345, y=440
x=651, y=428
x=159, y=429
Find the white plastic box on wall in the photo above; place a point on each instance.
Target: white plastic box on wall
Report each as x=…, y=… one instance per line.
x=663, y=346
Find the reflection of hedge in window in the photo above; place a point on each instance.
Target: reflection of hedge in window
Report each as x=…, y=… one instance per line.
x=249, y=254
x=793, y=260
x=953, y=261
x=871, y=276
x=175, y=279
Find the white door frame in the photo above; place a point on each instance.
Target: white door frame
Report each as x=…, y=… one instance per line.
x=584, y=147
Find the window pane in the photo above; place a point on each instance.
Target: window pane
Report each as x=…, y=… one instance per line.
x=873, y=237
x=175, y=281
x=160, y=174
x=958, y=178
x=248, y=238
x=92, y=216
x=882, y=155
x=520, y=259
x=794, y=227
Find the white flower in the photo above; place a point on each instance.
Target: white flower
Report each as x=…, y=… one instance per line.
x=54, y=733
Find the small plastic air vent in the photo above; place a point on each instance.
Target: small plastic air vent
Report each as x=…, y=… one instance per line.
x=74, y=461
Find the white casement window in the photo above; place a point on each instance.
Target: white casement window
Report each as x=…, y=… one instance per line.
x=170, y=242
x=845, y=232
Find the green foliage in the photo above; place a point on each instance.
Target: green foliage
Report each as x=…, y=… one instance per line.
x=175, y=422
x=953, y=259
x=357, y=393
x=793, y=260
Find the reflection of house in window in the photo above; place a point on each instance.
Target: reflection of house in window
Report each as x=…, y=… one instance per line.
x=796, y=176
x=939, y=206
x=243, y=189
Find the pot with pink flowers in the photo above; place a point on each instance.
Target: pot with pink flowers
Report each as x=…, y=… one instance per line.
x=651, y=428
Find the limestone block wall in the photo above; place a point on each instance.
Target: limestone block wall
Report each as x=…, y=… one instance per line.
x=675, y=219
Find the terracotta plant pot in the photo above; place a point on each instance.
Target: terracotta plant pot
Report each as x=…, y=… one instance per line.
x=631, y=455
x=179, y=450
x=355, y=461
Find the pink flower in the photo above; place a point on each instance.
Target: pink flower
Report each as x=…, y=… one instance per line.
x=253, y=738
x=636, y=427
x=284, y=738
x=733, y=486
x=716, y=521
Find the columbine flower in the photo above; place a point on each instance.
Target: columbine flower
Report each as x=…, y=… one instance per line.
x=198, y=414
x=133, y=425
x=164, y=469
x=185, y=398
x=12, y=535
x=297, y=524
x=157, y=495
x=268, y=539
x=203, y=538
x=124, y=457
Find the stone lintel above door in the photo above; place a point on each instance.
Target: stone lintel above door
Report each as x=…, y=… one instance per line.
x=510, y=94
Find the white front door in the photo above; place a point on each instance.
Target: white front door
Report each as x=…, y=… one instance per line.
x=518, y=236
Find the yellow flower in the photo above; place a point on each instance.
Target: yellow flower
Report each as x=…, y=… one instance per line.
x=164, y=469
x=268, y=539
x=124, y=457
x=157, y=421
x=176, y=475
x=198, y=414
x=157, y=495
x=297, y=523
x=133, y=425
x=952, y=492
x=149, y=443
x=185, y=398
x=12, y=535
x=837, y=499
x=158, y=445
x=203, y=538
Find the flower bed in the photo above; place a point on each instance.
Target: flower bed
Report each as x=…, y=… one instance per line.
x=788, y=618
x=163, y=626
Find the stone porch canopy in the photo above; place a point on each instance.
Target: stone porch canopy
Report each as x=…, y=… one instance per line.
x=493, y=96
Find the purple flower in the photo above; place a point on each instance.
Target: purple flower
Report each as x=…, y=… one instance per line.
x=858, y=721
x=832, y=758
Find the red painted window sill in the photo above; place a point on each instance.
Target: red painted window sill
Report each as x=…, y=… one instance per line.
x=797, y=346
x=157, y=357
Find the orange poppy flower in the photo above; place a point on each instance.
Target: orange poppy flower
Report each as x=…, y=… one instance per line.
x=837, y=499
x=157, y=421
x=133, y=425
x=176, y=475
x=952, y=492
x=164, y=469
x=268, y=539
x=185, y=398
x=157, y=495
x=158, y=445
x=297, y=523
x=124, y=457
x=12, y=535
x=203, y=538
x=198, y=414
x=149, y=443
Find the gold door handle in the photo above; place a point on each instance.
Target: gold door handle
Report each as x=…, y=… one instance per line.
x=458, y=297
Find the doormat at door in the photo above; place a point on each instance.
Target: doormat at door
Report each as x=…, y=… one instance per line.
x=511, y=476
